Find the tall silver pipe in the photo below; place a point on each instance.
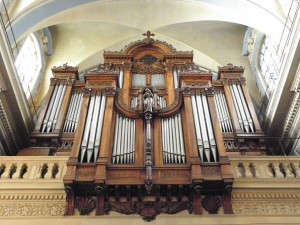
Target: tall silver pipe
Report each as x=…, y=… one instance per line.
x=240, y=105
x=219, y=112
x=133, y=142
x=114, y=155
x=176, y=141
x=126, y=148
x=175, y=78
x=209, y=128
x=178, y=152
x=237, y=108
x=49, y=109
x=54, y=108
x=246, y=109
x=224, y=104
x=171, y=145
x=69, y=113
x=181, y=139
x=118, y=158
x=197, y=127
x=94, y=122
x=57, y=110
x=73, y=114
x=99, y=127
x=166, y=127
x=87, y=128
x=203, y=127
x=163, y=131
x=78, y=107
x=121, y=75
x=122, y=140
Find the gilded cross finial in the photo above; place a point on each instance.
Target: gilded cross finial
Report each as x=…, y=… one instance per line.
x=148, y=39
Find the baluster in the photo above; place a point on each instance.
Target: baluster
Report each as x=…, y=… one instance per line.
x=297, y=169
x=17, y=173
x=278, y=173
x=238, y=170
x=48, y=174
x=60, y=171
x=7, y=170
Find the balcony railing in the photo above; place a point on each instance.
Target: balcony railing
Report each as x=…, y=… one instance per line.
x=272, y=167
x=33, y=167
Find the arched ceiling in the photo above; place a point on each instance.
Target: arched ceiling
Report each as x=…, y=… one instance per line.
x=83, y=29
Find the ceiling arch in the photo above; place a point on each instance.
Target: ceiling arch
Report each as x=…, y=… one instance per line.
x=156, y=14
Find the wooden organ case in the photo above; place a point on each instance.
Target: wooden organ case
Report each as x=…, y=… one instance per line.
x=148, y=132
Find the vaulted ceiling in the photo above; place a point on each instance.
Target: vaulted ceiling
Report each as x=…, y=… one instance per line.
x=83, y=29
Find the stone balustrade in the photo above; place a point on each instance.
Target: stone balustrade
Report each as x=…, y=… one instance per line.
x=32, y=186
x=265, y=185
x=265, y=167
x=32, y=167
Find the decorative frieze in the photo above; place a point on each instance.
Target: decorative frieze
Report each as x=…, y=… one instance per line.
x=32, y=209
x=264, y=207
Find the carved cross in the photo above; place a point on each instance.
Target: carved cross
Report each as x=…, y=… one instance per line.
x=148, y=38
x=148, y=34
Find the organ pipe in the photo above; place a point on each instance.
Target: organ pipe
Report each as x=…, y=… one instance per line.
x=244, y=116
x=124, y=141
x=53, y=110
x=73, y=112
x=222, y=112
x=204, y=130
x=93, y=127
x=172, y=140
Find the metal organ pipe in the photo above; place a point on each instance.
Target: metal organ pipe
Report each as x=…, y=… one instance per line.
x=225, y=109
x=204, y=129
x=242, y=109
x=248, y=116
x=175, y=78
x=222, y=111
x=121, y=77
x=124, y=141
x=53, y=109
x=93, y=128
x=172, y=140
x=73, y=112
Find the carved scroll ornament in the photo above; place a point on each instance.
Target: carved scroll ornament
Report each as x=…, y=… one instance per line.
x=148, y=210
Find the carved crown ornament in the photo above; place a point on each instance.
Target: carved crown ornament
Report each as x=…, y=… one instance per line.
x=146, y=42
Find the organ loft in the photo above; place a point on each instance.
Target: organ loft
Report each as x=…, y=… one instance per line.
x=147, y=132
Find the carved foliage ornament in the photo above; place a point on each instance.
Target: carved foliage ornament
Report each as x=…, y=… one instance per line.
x=148, y=210
x=32, y=209
x=260, y=208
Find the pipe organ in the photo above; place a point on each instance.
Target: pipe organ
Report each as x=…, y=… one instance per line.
x=148, y=131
